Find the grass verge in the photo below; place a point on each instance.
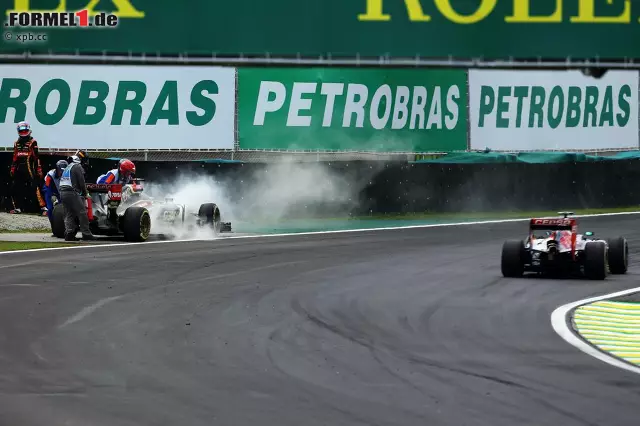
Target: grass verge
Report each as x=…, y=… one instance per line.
x=438, y=216
x=19, y=245
x=493, y=215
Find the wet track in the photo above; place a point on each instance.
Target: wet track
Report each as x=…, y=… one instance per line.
x=412, y=327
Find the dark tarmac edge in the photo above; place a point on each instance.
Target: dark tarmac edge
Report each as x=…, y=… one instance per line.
x=402, y=327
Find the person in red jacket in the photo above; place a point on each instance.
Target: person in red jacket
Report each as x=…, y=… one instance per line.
x=26, y=171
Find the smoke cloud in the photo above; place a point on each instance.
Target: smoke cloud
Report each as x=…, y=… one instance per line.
x=190, y=191
x=269, y=196
x=291, y=190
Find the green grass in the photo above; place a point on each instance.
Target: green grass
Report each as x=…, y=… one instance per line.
x=14, y=245
x=491, y=215
x=465, y=215
x=269, y=225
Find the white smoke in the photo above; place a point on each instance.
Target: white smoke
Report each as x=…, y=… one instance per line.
x=190, y=191
x=270, y=195
x=291, y=190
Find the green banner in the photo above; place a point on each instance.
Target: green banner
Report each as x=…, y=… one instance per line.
x=490, y=29
x=352, y=109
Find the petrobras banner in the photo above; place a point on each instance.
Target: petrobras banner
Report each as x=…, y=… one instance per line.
x=559, y=110
x=342, y=109
x=119, y=107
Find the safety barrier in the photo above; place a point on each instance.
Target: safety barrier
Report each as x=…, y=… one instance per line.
x=403, y=187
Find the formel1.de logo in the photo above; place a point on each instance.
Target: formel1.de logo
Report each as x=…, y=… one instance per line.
x=61, y=19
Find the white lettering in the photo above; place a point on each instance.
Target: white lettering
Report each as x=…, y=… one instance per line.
x=435, y=112
x=452, y=106
x=418, y=105
x=297, y=104
x=352, y=107
x=264, y=105
x=378, y=122
x=330, y=90
x=401, y=109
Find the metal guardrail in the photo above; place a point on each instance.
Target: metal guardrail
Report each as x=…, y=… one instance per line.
x=299, y=60
x=335, y=152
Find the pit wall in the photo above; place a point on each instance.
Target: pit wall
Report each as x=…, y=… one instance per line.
x=107, y=107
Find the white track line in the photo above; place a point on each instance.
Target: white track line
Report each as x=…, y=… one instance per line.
x=559, y=321
x=290, y=234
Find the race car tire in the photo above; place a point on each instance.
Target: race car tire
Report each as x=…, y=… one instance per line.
x=209, y=214
x=595, y=260
x=57, y=220
x=512, y=263
x=136, y=224
x=618, y=255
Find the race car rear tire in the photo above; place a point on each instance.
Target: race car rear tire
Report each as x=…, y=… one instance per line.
x=136, y=224
x=595, y=260
x=512, y=263
x=57, y=220
x=618, y=255
x=209, y=214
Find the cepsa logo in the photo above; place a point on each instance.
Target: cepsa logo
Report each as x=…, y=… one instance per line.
x=26, y=13
x=558, y=222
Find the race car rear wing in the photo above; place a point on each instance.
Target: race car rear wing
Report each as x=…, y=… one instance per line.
x=104, y=188
x=564, y=224
x=553, y=224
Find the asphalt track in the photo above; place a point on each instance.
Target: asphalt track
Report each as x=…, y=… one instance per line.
x=411, y=327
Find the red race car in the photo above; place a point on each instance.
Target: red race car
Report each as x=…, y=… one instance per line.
x=554, y=246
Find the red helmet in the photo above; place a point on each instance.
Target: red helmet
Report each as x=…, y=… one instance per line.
x=24, y=129
x=127, y=168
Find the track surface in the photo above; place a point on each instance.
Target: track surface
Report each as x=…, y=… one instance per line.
x=412, y=327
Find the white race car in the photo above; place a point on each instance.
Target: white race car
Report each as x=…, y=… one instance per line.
x=115, y=209
x=554, y=246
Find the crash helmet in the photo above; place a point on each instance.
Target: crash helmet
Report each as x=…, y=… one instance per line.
x=83, y=156
x=61, y=165
x=126, y=169
x=24, y=129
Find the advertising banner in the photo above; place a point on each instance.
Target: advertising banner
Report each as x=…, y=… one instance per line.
x=488, y=29
x=352, y=109
x=123, y=107
x=559, y=110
